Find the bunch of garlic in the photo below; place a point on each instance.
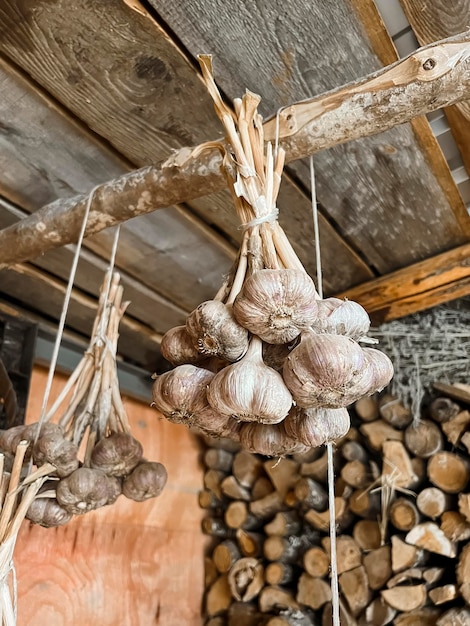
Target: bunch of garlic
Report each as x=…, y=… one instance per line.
x=267, y=362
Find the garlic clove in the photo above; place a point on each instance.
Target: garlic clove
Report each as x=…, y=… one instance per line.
x=277, y=304
x=341, y=317
x=180, y=394
x=47, y=512
x=268, y=439
x=146, y=481
x=249, y=390
x=320, y=370
x=215, y=331
x=117, y=454
x=177, y=347
x=84, y=490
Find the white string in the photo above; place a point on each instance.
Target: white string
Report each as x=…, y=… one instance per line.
x=329, y=446
x=270, y=217
x=63, y=315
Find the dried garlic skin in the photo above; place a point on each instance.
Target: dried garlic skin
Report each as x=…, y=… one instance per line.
x=177, y=347
x=180, y=394
x=277, y=305
x=47, y=512
x=268, y=439
x=117, y=454
x=146, y=481
x=249, y=390
x=341, y=317
x=84, y=490
x=215, y=331
x=214, y=424
x=320, y=371
x=55, y=449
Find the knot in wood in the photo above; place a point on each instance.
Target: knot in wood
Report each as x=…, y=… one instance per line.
x=429, y=64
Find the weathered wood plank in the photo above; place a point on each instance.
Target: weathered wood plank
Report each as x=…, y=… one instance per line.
x=118, y=71
x=417, y=287
x=45, y=155
x=307, y=49
x=432, y=21
x=130, y=563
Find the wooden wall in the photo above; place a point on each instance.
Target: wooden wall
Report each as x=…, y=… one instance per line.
x=130, y=564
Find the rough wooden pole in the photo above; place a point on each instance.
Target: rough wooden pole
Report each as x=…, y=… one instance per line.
x=432, y=77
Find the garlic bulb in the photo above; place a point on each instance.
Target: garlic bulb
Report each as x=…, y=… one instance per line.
x=249, y=390
x=53, y=448
x=268, y=439
x=215, y=332
x=376, y=375
x=47, y=512
x=177, y=347
x=341, y=317
x=277, y=304
x=180, y=394
x=314, y=427
x=320, y=370
x=116, y=455
x=84, y=490
x=146, y=481
x=10, y=438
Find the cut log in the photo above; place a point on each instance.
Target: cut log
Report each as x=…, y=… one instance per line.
x=246, y=579
x=212, y=481
x=355, y=589
x=419, y=617
x=219, y=597
x=463, y=573
x=367, y=535
x=411, y=575
x=316, y=562
x=267, y=506
x=406, y=598
x=311, y=494
x=449, y=471
x=216, y=527
x=237, y=515
x=367, y=408
x=218, y=459
x=356, y=474
x=365, y=504
x=317, y=470
x=345, y=616
x=348, y=553
x=379, y=431
x=464, y=505
x=210, y=572
x=321, y=520
x=455, y=617
x=208, y=500
x=454, y=526
x=404, y=555
x=274, y=599
x=443, y=409
x=246, y=468
x=441, y=595
x=245, y=614
x=433, y=574
x=283, y=474
x=250, y=544
x=284, y=523
x=404, y=514
x=216, y=621
x=379, y=613
x=461, y=393
x=378, y=566
x=397, y=466
x=231, y=488
x=432, y=502
x=394, y=412
x=262, y=486
x=279, y=573
x=465, y=440
x=424, y=439
x=456, y=427
x=292, y=618
x=225, y=554
x=313, y=592
x=286, y=549
x=354, y=451
x=431, y=538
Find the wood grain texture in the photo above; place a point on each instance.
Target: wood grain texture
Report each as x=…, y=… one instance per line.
x=119, y=72
x=131, y=563
x=307, y=50
x=432, y=21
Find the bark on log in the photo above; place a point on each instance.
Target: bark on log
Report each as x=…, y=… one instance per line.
x=356, y=110
x=311, y=494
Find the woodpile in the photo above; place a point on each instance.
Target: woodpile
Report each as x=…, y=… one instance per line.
x=403, y=519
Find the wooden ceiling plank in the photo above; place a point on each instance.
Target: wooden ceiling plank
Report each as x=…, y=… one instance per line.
x=432, y=21
x=286, y=53
x=119, y=72
x=45, y=154
x=183, y=176
x=137, y=342
x=420, y=286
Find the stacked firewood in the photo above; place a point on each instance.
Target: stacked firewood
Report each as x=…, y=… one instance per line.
x=403, y=516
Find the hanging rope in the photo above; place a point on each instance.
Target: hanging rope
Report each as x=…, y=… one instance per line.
x=329, y=446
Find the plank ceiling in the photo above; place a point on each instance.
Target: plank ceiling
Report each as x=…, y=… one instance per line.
x=92, y=90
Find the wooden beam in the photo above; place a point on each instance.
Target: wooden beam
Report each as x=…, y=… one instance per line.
x=426, y=80
x=417, y=287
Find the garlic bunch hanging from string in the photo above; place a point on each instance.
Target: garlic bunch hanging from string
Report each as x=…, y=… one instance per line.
x=249, y=390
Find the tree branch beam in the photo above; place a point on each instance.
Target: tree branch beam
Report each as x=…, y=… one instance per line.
x=432, y=77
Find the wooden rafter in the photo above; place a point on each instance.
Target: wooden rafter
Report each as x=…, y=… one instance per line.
x=430, y=78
